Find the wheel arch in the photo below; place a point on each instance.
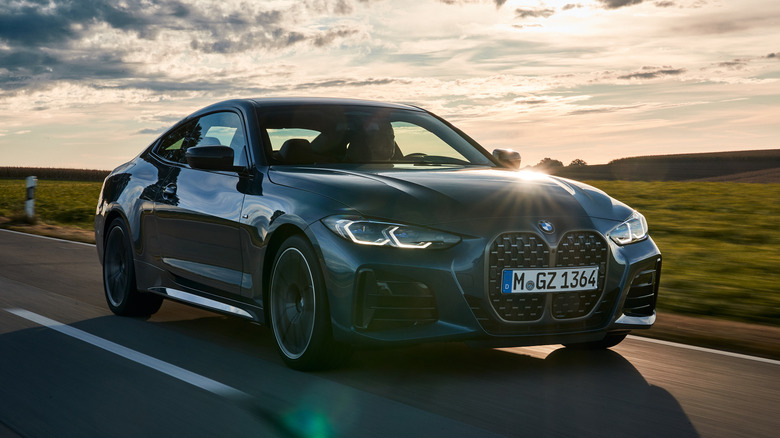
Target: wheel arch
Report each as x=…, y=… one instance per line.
x=278, y=237
x=110, y=216
x=321, y=350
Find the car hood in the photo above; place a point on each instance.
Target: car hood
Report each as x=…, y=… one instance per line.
x=440, y=196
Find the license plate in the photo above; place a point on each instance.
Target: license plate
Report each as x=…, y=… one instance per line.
x=515, y=281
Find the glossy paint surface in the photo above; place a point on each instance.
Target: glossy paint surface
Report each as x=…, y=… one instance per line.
x=214, y=233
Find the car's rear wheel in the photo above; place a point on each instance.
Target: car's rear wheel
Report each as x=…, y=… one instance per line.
x=119, y=281
x=609, y=341
x=298, y=309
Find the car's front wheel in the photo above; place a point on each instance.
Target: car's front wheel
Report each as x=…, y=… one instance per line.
x=119, y=282
x=298, y=309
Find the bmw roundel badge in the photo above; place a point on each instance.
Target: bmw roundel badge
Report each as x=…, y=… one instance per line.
x=546, y=226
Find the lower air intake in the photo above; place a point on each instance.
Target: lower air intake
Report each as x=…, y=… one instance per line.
x=388, y=304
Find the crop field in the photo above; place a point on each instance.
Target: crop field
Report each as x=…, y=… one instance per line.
x=70, y=203
x=720, y=241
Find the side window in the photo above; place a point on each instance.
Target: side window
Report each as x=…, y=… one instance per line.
x=223, y=129
x=173, y=144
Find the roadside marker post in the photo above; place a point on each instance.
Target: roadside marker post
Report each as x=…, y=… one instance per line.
x=29, y=204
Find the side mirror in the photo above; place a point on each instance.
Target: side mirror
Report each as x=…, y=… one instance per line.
x=508, y=157
x=210, y=157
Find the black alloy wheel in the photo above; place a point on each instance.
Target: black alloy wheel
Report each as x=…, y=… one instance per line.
x=119, y=283
x=298, y=309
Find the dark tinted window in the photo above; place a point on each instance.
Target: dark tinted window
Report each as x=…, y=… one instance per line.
x=223, y=129
x=175, y=143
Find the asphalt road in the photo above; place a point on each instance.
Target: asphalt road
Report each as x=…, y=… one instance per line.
x=69, y=368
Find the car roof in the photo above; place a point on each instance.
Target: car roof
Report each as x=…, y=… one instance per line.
x=287, y=101
x=270, y=102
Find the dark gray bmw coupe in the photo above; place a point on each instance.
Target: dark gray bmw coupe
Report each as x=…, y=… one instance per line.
x=341, y=223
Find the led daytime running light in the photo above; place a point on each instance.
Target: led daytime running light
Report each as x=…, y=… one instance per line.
x=420, y=245
x=363, y=242
x=632, y=230
x=377, y=233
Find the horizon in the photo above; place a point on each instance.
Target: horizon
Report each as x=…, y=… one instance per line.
x=596, y=80
x=524, y=165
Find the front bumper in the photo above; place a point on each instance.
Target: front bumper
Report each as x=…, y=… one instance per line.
x=395, y=296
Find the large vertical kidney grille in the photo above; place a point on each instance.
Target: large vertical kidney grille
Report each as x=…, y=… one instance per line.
x=528, y=250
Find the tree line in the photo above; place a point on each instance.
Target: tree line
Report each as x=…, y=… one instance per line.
x=550, y=164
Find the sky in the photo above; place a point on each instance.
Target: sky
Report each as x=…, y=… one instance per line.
x=90, y=83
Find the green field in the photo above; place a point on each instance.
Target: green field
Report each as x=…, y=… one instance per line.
x=719, y=240
x=720, y=245
x=70, y=203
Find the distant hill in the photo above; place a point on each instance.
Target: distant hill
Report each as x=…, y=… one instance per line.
x=746, y=166
x=53, y=173
x=758, y=176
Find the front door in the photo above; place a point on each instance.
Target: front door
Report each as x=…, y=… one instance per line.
x=199, y=213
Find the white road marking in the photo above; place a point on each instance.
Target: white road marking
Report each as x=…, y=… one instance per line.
x=48, y=238
x=164, y=367
x=706, y=350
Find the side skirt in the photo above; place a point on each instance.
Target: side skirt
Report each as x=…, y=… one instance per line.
x=206, y=303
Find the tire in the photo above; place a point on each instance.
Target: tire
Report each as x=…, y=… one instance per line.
x=609, y=341
x=119, y=282
x=298, y=309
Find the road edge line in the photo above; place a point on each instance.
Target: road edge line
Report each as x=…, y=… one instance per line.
x=57, y=239
x=706, y=350
x=171, y=370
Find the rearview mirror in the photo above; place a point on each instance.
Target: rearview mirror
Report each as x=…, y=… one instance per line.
x=508, y=157
x=210, y=157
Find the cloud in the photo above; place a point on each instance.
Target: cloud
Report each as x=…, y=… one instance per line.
x=328, y=37
x=615, y=4
x=653, y=73
x=27, y=61
x=569, y=6
x=717, y=24
x=28, y=28
x=736, y=64
x=24, y=67
x=152, y=131
x=368, y=82
x=603, y=109
x=534, y=13
x=343, y=7
x=527, y=26
x=58, y=22
x=498, y=3
x=46, y=41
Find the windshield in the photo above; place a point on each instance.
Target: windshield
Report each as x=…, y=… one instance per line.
x=316, y=134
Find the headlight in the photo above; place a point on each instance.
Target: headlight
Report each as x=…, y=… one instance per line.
x=377, y=233
x=632, y=230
